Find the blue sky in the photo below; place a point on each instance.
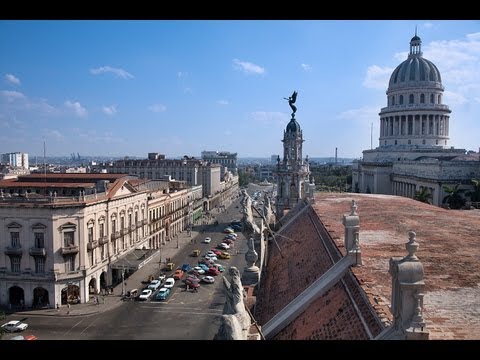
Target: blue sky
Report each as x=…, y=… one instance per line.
x=126, y=88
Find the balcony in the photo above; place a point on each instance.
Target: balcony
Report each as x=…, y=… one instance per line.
x=133, y=227
x=115, y=235
x=124, y=231
x=71, y=249
x=35, y=251
x=16, y=251
x=139, y=223
x=145, y=221
x=92, y=245
x=103, y=240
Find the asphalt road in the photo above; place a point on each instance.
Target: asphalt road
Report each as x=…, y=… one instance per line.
x=184, y=316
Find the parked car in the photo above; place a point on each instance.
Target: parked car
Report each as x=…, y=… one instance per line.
x=213, y=271
x=163, y=293
x=145, y=295
x=208, y=279
x=223, y=246
x=178, y=274
x=228, y=230
x=162, y=278
x=154, y=285
x=192, y=283
x=199, y=270
x=224, y=255
x=24, y=337
x=186, y=267
x=219, y=267
x=170, y=266
x=196, y=253
x=207, y=240
x=14, y=326
x=169, y=283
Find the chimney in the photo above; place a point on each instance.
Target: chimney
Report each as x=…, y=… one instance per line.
x=352, y=228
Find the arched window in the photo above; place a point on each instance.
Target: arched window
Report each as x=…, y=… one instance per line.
x=401, y=99
x=439, y=99
x=392, y=100
x=431, y=98
x=422, y=98
x=410, y=99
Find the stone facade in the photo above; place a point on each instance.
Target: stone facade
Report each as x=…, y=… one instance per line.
x=413, y=148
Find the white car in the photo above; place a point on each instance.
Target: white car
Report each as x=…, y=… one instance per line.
x=154, y=285
x=199, y=270
x=145, y=294
x=169, y=283
x=208, y=279
x=223, y=246
x=211, y=257
x=207, y=240
x=14, y=326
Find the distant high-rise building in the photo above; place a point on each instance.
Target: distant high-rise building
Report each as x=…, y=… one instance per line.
x=273, y=159
x=16, y=159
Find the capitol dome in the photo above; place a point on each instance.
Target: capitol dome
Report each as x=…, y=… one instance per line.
x=415, y=116
x=415, y=69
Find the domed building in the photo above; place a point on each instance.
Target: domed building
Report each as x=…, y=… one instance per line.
x=413, y=151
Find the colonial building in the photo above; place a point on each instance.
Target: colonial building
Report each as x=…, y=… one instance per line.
x=66, y=236
x=413, y=150
x=224, y=158
x=215, y=186
x=292, y=172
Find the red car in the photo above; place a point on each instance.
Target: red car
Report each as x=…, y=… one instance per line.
x=213, y=271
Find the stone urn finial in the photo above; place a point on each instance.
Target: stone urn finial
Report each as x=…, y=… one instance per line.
x=411, y=246
x=354, y=208
x=251, y=255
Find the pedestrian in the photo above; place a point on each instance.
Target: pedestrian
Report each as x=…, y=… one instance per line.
x=68, y=305
x=58, y=307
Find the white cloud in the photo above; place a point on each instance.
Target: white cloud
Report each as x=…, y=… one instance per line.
x=222, y=102
x=117, y=71
x=269, y=118
x=248, y=67
x=12, y=79
x=53, y=134
x=377, y=77
x=306, y=67
x=157, y=108
x=76, y=107
x=428, y=25
x=109, y=110
x=181, y=74
x=452, y=98
x=366, y=113
x=12, y=95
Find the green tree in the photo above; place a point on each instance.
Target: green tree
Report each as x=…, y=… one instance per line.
x=423, y=195
x=454, y=197
x=475, y=194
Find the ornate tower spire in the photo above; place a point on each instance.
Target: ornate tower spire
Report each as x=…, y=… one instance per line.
x=415, y=45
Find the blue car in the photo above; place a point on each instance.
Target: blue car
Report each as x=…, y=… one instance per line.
x=186, y=267
x=163, y=294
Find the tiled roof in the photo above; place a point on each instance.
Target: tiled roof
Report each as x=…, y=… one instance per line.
x=307, y=252
x=449, y=249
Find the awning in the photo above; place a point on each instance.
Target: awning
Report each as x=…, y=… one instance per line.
x=134, y=260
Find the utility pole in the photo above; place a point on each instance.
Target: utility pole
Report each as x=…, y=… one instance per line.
x=123, y=280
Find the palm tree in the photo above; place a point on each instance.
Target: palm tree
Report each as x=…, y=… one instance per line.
x=475, y=194
x=423, y=195
x=454, y=197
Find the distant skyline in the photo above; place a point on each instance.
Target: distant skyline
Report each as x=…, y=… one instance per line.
x=178, y=87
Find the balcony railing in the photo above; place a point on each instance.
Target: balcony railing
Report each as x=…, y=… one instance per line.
x=71, y=249
x=133, y=227
x=92, y=245
x=139, y=223
x=103, y=240
x=145, y=221
x=116, y=235
x=36, y=251
x=17, y=250
x=124, y=231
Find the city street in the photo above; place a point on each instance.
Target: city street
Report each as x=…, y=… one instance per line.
x=184, y=315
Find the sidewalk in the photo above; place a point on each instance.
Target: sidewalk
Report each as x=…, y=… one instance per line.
x=109, y=302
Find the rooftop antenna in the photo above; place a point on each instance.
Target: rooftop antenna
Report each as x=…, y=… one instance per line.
x=415, y=29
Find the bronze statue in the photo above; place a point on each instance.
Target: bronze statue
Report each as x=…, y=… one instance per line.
x=291, y=101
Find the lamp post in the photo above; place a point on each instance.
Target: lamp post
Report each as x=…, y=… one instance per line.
x=123, y=280
x=177, y=241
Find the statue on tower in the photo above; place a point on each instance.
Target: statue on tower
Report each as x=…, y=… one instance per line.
x=291, y=101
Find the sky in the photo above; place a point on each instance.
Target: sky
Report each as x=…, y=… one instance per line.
x=178, y=87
